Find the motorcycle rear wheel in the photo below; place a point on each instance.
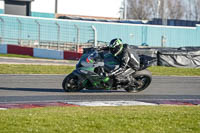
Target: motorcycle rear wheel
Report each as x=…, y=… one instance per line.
x=70, y=83
x=142, y=81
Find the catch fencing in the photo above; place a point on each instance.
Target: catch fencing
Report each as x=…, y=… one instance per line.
x=45, y=33
x=74, y=35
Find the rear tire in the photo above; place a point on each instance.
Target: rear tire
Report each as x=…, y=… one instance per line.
x=70, y=83
x=143, y=79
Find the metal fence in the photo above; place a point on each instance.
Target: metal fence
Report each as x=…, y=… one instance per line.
x=74, y=35
x=46, y=33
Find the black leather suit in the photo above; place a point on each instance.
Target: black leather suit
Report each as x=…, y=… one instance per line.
x=127, y=57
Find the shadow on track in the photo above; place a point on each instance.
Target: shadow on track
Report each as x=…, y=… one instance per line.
x=100, y=91
x=32, y=89
x=59, y=90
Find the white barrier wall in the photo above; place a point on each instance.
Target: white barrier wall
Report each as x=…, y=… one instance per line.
x=3, y=48
x=50, y=54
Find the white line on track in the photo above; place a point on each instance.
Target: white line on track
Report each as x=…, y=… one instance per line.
x=3, y=108
x=110, y=103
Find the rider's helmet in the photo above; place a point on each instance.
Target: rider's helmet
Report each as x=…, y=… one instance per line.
x=116, y=46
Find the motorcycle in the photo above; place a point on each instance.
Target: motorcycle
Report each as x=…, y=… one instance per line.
x=93, y=73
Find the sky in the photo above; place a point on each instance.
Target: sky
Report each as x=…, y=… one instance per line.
x=105, y=8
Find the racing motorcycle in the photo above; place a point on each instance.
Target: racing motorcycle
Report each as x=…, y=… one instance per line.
x=94, y=71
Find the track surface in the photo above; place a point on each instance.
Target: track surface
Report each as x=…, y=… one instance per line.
x=43, y=88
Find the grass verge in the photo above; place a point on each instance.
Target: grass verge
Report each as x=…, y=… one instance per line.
x=34, y=69
x=18, y=56
x=42, y=69
x=48, y=69
x=173, y=71
x=145, y=119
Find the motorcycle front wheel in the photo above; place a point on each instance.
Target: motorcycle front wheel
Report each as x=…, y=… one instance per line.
x=142, y=81
x=70, y=83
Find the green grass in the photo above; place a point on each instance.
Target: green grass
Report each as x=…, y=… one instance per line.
x=34, y=69
x=171, y=71
x=48, y=69
x=17, y=56
x=140, y=119
x=42, y=69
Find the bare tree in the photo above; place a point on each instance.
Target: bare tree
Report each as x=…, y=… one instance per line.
x=188, y=11
x=140, y=9
x=171, y=9
x=175, y=9
x=197, y=10
x=192, y=11
x=148, y=9
x=154, y=4
x=165, y=9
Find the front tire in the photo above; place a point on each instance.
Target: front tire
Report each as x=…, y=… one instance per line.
x=70, y=83
x=142, y=81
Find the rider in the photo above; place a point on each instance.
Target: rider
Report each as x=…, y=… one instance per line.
x=123, y=55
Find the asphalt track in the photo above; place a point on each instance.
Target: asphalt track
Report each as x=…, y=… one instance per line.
x=47, y=88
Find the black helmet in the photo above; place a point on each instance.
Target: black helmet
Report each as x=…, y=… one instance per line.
x=116, y=46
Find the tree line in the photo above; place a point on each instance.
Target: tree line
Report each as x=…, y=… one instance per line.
x=168, y=9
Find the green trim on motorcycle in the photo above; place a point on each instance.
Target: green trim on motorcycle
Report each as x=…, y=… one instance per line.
x=92, y=69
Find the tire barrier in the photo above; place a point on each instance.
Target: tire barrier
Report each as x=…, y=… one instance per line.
x=148, y=53
x=179, y=59
x=187, y=57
